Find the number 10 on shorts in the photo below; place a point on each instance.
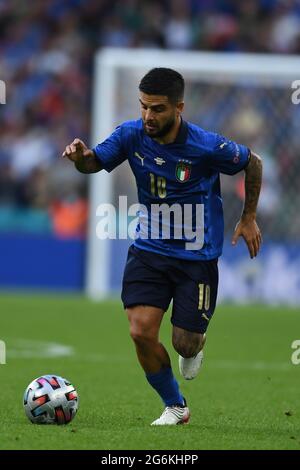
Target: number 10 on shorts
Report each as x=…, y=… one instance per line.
x=204, y=297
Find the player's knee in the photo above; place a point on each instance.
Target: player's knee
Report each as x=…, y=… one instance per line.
x=186, y=343
x=144, y=323
x=140, y=334
x=137, y=335
x=185, y=350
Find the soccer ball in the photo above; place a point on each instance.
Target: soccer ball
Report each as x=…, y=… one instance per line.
x=50, y=399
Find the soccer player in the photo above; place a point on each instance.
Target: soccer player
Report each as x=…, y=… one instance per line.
x=176, y=164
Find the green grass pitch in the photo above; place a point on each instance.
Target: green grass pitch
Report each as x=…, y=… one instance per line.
x=246, y=396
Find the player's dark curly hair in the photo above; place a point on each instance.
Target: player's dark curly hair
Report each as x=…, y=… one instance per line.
x=163, y=81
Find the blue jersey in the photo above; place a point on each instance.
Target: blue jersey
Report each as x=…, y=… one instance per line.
x=178, y=184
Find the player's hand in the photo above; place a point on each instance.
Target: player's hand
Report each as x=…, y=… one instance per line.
x=75, y=151
x=249, y=230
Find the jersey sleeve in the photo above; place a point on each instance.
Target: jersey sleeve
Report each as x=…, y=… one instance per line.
x=228, y=157
x=112, y=151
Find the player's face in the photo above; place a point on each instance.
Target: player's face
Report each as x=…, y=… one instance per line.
x=158, y=114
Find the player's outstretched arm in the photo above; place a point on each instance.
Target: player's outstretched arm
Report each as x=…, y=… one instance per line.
x=247, y=226
x=83, y=158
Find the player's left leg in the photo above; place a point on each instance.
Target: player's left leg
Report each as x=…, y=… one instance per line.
x=194, y=303
x=189, y=346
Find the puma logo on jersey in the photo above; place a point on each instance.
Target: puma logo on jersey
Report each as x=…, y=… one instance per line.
x=136, y=154
x=223, y=145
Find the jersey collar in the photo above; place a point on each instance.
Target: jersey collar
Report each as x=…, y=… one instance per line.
x=182, y=133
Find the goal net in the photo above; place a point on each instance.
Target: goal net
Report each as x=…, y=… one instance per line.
x=246, y=97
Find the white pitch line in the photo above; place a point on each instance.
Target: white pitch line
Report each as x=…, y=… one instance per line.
x=217, y=364
x=256, y=365
x=103, y=357
x=26, y=348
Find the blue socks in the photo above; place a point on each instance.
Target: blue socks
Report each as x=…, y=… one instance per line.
x=166, y=386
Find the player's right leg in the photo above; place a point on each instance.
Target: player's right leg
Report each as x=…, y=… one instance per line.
x=146, y=295
x=145, y=322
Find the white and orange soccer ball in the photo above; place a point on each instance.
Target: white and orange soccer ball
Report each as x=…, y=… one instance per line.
x=50, y=399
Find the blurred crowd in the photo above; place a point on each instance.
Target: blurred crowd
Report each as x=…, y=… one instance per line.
x=46, y=60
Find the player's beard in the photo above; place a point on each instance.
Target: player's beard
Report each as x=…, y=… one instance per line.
x=163, y=131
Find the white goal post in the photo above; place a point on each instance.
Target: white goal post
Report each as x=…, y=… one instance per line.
x=110, y=63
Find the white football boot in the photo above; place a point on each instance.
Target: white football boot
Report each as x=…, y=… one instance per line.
x=189, y=367
x=175, y=414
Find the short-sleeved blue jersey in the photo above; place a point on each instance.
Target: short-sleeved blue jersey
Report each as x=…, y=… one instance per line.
x=183, y=176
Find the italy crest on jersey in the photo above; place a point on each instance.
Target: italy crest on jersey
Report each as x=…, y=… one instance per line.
x=183, y=171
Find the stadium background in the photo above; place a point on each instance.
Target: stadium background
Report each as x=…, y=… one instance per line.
x=47, y=51
x=46, y=60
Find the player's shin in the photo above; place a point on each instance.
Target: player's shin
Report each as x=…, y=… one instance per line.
x=155, y=361
x=165, y=384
